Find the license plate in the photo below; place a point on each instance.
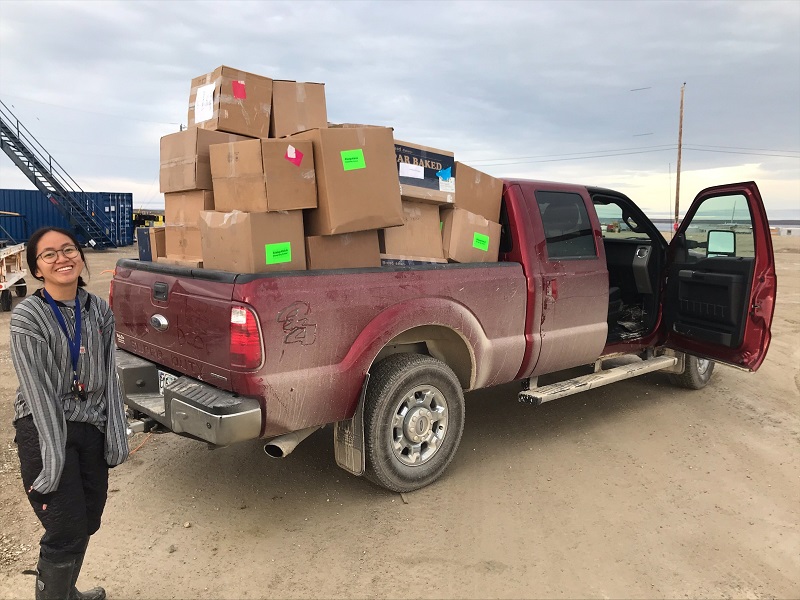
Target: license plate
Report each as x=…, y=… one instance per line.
x=164, y=379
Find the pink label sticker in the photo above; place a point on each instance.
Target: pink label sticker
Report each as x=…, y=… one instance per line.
x=238, y=90
x=294, y=155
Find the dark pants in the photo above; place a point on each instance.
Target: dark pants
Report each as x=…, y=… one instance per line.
x=74, y=509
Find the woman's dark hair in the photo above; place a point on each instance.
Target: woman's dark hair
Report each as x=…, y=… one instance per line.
x=33, y=244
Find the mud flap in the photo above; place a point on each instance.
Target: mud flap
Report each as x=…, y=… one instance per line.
x=348, y=438
x=680, y=366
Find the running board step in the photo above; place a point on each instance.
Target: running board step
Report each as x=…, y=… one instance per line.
x=558, y=390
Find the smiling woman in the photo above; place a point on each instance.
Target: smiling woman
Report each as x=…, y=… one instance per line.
x=59, y=262
x=68, y=413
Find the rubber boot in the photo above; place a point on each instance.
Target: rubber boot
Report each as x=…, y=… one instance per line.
x=53, y=579
x=96, y=593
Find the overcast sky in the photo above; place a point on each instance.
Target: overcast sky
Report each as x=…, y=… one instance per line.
x=582, y=92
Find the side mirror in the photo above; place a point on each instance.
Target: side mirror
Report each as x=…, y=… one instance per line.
x=721, y=243
x=632, y=224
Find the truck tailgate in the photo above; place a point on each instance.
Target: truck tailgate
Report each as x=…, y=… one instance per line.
x=176, y=317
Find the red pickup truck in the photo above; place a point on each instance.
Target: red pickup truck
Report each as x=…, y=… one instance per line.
x=386, y=354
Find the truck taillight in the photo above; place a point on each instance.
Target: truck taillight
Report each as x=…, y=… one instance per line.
x=111, y=290
x=245, y=339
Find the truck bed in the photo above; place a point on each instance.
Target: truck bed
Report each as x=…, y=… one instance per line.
x=321, y=330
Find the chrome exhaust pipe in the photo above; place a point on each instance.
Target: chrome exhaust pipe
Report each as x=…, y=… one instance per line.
x=282, y=446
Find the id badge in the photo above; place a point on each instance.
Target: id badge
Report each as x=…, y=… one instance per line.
x=79, y=390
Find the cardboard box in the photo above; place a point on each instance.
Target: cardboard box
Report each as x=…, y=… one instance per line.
x=478, y=192
x=194, y=263
x=426, y=174
x=420, y=234
x=158, y=242
x=391, y=260
x=182, y=241
x=244, y=242
x=357, y=184
x=469, y=237
x=343, y=251
x=184, y=208
x=296, y=107
x=184, y=159
x=231, y=100
x=263, y=175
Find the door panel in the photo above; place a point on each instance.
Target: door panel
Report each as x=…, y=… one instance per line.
x=712, y=300
x=574, y=297
x=721, y=278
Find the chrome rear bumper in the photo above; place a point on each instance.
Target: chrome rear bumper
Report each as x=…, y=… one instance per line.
x=188, y=406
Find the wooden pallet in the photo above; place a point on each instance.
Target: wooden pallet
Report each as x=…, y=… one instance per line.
x=12, y=274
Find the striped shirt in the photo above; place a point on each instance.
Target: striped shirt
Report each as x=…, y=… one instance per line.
x=41, y=357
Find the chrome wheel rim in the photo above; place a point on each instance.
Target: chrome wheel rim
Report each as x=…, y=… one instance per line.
x=702, y=366
x=419, y=425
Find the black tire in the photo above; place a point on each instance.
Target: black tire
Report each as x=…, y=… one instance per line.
x=696, y=375
x=21, y=289
x=5, y=300
x=413, y=420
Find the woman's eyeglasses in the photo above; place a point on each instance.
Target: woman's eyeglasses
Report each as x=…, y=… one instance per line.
x=50, y=256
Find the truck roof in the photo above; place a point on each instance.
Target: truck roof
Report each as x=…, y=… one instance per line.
x=552, y=185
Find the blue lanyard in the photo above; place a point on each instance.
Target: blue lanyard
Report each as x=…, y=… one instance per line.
x=74, y=344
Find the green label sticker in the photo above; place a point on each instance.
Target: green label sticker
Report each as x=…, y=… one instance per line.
x=353, y=159
x=480, y=241
x=278, y=253
x=441, y=225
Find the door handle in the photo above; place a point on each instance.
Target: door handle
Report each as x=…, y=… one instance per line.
x=160, y=291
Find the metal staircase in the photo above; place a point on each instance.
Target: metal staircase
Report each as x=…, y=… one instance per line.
x=86, y=218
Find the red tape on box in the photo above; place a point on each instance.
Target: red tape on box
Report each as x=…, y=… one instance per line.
x=238, y=90
x=293, y=155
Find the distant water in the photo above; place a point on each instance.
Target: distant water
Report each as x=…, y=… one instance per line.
x=665, y=225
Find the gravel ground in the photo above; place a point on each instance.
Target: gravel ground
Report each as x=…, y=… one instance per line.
x=637, y=489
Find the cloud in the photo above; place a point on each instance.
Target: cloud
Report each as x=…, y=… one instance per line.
x=495, y=82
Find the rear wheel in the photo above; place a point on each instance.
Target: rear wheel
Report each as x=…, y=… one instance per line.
x=21, y=289
x=413, y=420
x=696, y=375
x=5, y=300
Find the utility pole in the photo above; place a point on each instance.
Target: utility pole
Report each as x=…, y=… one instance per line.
x=678, y=169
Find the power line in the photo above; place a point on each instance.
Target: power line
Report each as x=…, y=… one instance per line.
x=510, y=161
x=91, y=112
x=742, y=148
x=601, y=153
x=744, y=153
x=573, y=158
x=662, y=146
x=585, y=154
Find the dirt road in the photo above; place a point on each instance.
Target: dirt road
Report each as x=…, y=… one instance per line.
x=638, y=489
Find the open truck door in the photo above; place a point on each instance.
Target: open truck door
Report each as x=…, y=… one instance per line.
x=721, y=283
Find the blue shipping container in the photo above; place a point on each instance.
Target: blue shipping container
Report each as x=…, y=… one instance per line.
x=37, y=211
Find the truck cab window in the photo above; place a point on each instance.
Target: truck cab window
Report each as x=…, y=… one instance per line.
x=614, y=223
x=567, y=229
x=721, y=227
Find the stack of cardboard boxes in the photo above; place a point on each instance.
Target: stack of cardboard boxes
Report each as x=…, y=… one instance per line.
x=358, y=193
x=262, y=182
x=470, y=229
x=185, y=178
x=260, y=190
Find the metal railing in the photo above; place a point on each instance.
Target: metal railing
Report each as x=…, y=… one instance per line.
x=54, y=176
